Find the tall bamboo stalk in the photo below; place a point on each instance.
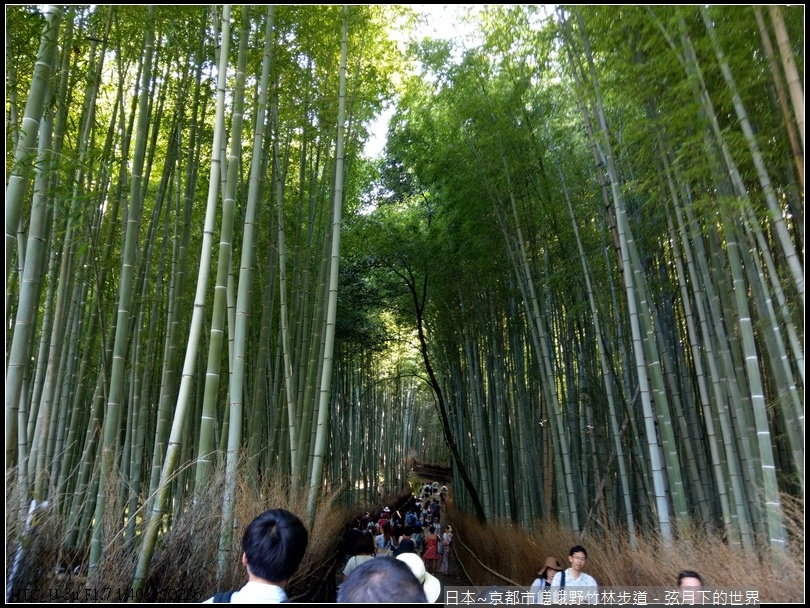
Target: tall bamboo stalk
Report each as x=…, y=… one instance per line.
x=184, y=396
x=122, y=329
x=26, y=149
x=325, y=394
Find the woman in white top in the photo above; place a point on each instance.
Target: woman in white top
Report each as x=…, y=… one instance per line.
x=364, y=551
x=545, y=574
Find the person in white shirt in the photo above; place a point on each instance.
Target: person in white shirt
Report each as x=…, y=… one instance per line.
x=273, y=546
x=583, y=588
x=364, y=551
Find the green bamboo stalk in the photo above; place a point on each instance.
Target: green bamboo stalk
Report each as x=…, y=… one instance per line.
x=205, y=448
x=122, y=331
x=248, y=259
x=30, y=293
x=324, y=404
x=475, y=383
x=607, y=374
x=25, y=153
x=168, y=385
x=26, y=149
x=782, y=95
x=783, y=237
x=702, y=285
x=790, y=402
x=240, y=343
x=292, y=415
x=195, y=331
x=661, y=505
x=795, y=85
x=775, y=525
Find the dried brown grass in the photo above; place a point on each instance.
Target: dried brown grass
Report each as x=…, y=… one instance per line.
x=185, y=559
x=515, y=553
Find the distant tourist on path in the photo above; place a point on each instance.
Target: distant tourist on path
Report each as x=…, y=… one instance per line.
x=431, y=555
x=447, y=540
x=419, y=539
x=386, y=513
x=435, y=511
x=385, y=541
x=273, y=546
x=406, y=543
x=350, y=538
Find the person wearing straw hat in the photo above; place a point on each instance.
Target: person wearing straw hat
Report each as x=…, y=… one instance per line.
x=431, y=585
x=545, y=574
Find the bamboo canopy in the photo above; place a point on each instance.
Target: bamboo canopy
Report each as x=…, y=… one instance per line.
x=572, y=284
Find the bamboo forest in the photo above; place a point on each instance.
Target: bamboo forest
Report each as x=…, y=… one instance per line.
x=572, y=276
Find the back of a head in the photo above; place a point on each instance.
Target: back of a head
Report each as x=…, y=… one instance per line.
x=364, y=545
x=275, y=543
x=381, y=580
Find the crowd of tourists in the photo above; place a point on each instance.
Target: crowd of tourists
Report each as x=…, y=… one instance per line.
x=389, y=561
x=413, y=528
x=412, y=535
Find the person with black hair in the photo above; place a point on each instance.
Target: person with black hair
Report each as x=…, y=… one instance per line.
x=575, y=577
x=406, y=543
x=350, y=538
x=690, y=582
x=273, y=546
x=688, y=579
x=431, y=555
x=382, y=580
x=363, y=551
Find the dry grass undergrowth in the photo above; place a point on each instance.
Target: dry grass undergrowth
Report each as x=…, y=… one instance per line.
x=515, y=554
x=185, y=559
